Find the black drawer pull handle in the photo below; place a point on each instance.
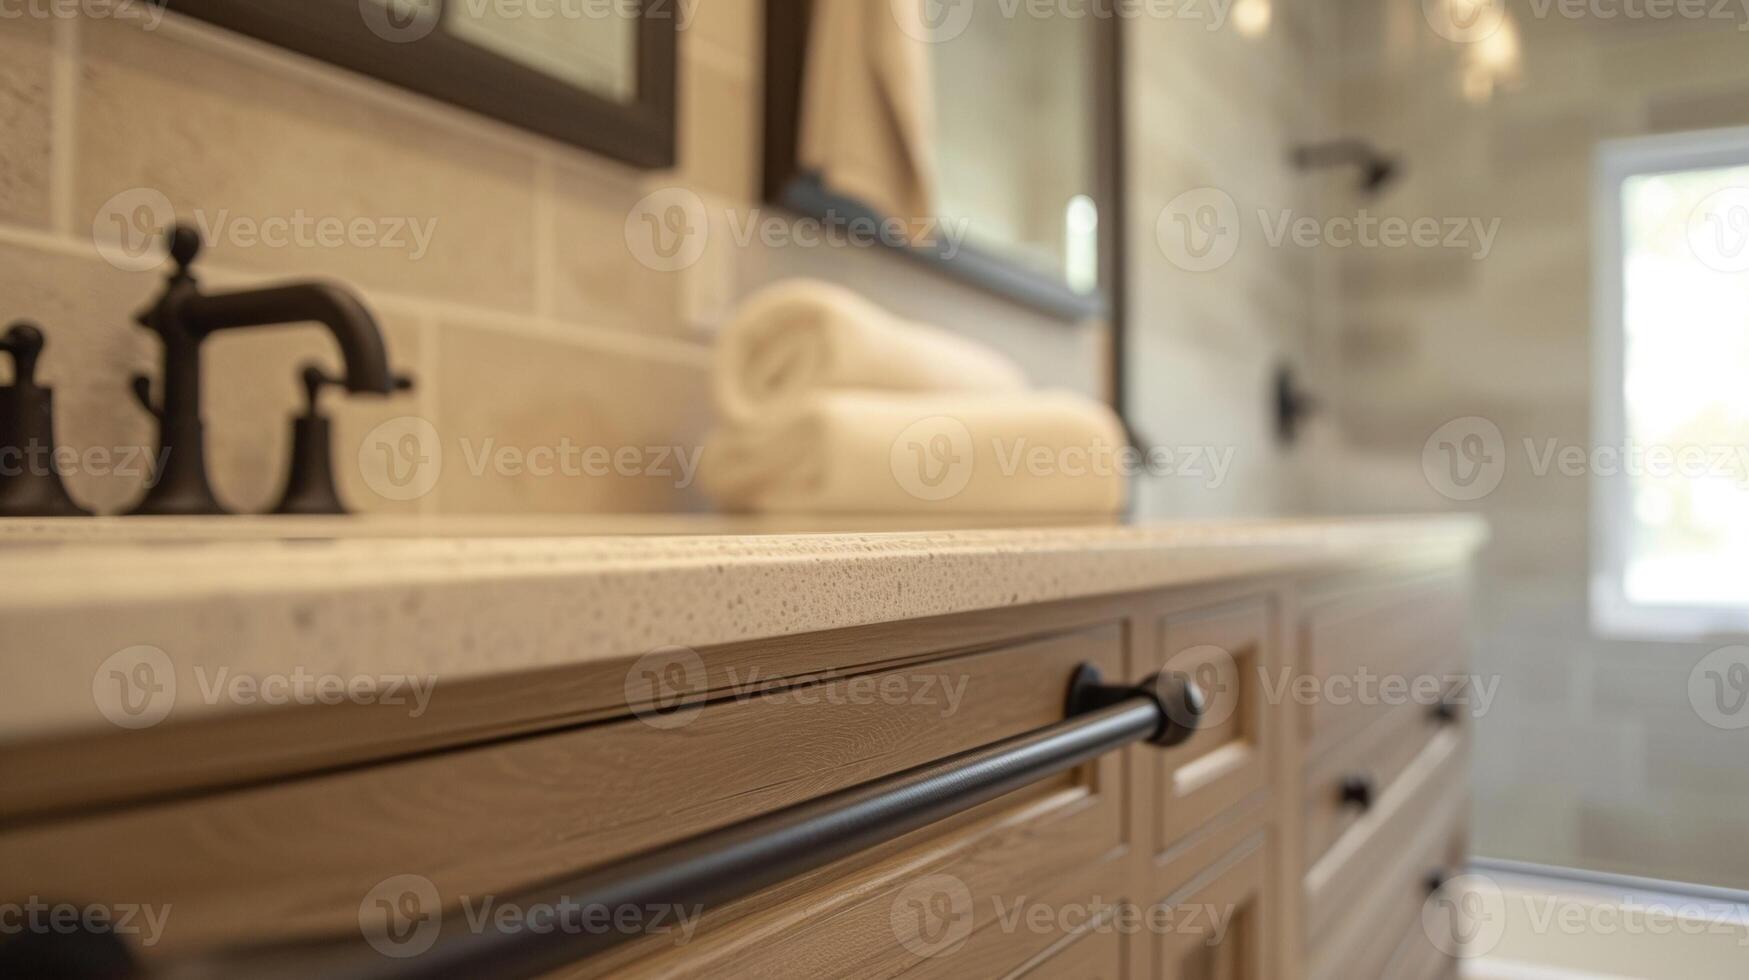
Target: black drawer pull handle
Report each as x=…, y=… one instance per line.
x=708, y=870
x=1358, y=791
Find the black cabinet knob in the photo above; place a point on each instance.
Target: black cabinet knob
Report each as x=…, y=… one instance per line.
x=1436, y=880
x=1445, y=712
x=1357, y=791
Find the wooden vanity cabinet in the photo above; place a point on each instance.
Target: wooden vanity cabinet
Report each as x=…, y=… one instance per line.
x=1232, y=856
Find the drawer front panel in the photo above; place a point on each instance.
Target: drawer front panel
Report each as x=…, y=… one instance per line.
x=1343, y=784
x=1419, y=956
x=1220, y=923
x=298, y=858
x=1353, y=640
x=1100, y=956
x=1428, y=794
x=1230, y=652
x=964, y=903
x=1386, y=935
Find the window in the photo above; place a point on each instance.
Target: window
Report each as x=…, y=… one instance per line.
x=1670, y=460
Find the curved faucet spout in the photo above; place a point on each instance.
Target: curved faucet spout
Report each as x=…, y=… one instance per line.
x=182, y=316
x=332, y=306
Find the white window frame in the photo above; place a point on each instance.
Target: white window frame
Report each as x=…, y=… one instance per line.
x=1612, y=613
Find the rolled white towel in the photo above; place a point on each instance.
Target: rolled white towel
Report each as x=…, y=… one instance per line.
x=877, y=453
x=796, y=339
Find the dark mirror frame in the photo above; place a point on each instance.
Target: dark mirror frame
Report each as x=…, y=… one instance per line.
x=640, y=132
x=786, y=35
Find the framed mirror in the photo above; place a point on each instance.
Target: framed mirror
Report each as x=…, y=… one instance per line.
x=599, y=74
x=993, y=136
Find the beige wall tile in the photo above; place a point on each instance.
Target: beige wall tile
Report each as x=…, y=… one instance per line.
x=550, y=408
x=720, y=119
x=1725, y=106
x=1213, y=113
x=607, y=266
x=26, y=67
x=242, y=140
x=732, y=28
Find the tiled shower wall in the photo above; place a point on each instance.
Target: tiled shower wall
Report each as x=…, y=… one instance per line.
x=528, y=322
x=1592, y=754
x=1212, y=110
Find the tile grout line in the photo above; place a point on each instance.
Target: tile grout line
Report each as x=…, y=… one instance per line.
x=63, y=103
x=578, y=333
x=545, y=255
x=430, y=397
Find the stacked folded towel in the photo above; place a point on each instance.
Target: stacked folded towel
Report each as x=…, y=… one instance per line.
x=832, y=405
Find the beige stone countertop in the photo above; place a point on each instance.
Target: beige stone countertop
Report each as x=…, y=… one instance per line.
x=457, y=598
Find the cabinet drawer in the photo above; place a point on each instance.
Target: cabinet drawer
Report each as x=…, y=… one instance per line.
x=1367, y=634
x=1418, y=956
x=964, y=903
x=1099, y=956
x=1386, y=936
x=1346, y=782
x=1230, y=652
x=298, y=858
x=1219, y=925
x=1429, y=793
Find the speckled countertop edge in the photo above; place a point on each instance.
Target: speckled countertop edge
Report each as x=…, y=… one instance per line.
x=501, y=597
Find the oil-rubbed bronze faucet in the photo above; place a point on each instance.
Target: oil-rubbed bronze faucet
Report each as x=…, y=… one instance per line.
x=183, y=316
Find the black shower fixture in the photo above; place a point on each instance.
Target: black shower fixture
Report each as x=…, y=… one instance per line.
x=1376, y=167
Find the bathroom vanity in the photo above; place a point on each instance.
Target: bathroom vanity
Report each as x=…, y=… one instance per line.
x=324, y=746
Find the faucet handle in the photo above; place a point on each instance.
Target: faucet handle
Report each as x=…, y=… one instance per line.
x=27, y=428
x=184, y=244
x=142, y=389
x=310, y=486
x=24, y=341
